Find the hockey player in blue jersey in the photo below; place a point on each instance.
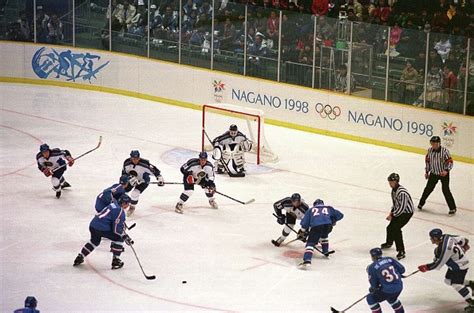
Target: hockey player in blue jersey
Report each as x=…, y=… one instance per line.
x=110, y=224
x=316, y=225
x=52, y=162
x=110, y=194
x=385, y=278
x=451, y=251
x=30, y=306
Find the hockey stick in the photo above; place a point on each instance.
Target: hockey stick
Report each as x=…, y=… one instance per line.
x=85, y=153
x=131, y=226
x=333, y=310
x=316, y=248
x=222, y=162
x=287, y=243
x=138, y=260
x=236, y=200
x=167, y=183
x=413, y=273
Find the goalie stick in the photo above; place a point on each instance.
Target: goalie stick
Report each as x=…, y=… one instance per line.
x=333, y=310
x=85, y=153
x=316, y=248
x=226, y=168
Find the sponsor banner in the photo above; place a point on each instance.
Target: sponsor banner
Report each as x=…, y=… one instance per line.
x=326, y=111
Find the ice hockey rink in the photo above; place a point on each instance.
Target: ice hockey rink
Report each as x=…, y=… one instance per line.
x=224, y=255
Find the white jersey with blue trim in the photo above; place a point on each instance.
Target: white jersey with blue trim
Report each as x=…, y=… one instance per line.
x=194, y=167
x=227, y=139
x=142, y=170
x=57, y=158
x=451, y=253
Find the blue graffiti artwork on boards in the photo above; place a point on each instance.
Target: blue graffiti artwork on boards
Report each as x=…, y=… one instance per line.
x=66, y=64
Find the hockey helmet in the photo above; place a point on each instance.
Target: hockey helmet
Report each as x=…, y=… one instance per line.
x=435, y=139
x=318, y=202
x=233, y=127
x=123, y=180
x=436, y=233
x=393, y=177
x=203, y=155
x=376, y=252
x=44, y=147
x=135, y=154
x=124, y=199
x=296, y=197
x=31, y=302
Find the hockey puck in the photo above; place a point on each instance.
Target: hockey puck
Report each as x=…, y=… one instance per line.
x=184, y=282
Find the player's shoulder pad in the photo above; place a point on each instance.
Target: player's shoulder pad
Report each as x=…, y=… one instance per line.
x=55, y=152
x=127, y=161
x=209, y=164
x=193, y=161
x=241, y=134
x=144, y=162
x=38, y=155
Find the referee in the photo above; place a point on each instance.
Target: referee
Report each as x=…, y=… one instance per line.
x=402, y=211
x=438, y=164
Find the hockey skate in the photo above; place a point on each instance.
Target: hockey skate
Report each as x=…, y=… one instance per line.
x=213, y=204
x=65, y=185
x=401, y=255
x=79, y=260
x=58, y=194
x=276, y=243
x=116, y=263
x=130, y=210
x=179, y=208
x=385, y=246
x=452, y=212
x=306, y=265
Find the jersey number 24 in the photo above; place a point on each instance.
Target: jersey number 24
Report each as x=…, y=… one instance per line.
x=318, y=211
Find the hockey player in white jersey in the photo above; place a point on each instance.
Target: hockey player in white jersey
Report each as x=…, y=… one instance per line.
x=230, y=148
x=139, y=171
x=451, y=250
x=295, y=208
x=52, y=162
x=197, y=171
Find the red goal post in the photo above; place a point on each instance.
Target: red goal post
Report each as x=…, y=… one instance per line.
x=255, y=124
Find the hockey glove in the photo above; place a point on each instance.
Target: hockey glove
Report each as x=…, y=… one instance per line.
x=281, y=219
x=47, y=172
x=190, y=179
x=127, y=240
x=374, y=289
x=466, y=245
x=302, y=235
x=423, y=268
x=160, y=180
x=70, y=161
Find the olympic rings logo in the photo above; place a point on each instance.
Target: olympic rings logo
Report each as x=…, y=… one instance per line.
x=328, y=111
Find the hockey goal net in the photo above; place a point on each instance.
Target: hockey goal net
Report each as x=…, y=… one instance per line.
x=216, y=119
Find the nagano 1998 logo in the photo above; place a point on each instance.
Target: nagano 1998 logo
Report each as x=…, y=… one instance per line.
x=219, y=88
x=449, y=131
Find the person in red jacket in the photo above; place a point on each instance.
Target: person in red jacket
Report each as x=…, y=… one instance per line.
x=320, y=7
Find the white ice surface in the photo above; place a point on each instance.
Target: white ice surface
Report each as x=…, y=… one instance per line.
x=224, y=255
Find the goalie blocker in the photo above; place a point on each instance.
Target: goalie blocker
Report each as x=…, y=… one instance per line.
x=230, y=148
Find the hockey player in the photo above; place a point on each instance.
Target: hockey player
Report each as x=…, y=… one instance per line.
x=197, y=172
x=317, y=223
x=52, y=162
x=110, y=224
x=112, y=193
x=295, y=209
x=385, y=278
x=231, y=146
x=30, y=306
x=451, y=250
x=139, y=171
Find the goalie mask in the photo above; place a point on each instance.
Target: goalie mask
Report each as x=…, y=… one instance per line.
x=233, y=130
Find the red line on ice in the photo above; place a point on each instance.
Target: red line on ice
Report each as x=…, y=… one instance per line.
x=102, y=275
x=24, y=133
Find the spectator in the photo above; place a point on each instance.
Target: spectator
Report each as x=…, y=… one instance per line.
x=382, y=11
x=273, y=24
x=407, y=84
x=320, y=7
x=42, y=21
x=434, y=82
x=55, y=30
x=205, y=10
x=25, y=30
x=228, y=35
x=306, y=55
x=341, y=79
x=258, y=48
x=450, y=84
x=124, y=13
x=443, y=47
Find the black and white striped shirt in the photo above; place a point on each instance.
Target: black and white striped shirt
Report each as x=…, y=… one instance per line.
x=438, y=161
x=402, y=202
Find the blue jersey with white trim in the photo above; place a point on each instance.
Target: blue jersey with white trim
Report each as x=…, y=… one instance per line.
x=385, y=274
x=110, y=219
x=321, y=215
x=108, y=195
